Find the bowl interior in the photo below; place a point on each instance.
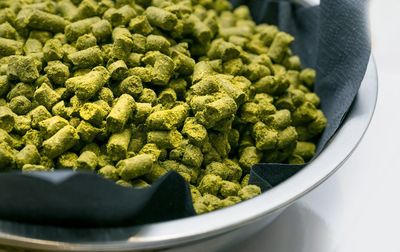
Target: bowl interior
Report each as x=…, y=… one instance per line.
x=191, y=229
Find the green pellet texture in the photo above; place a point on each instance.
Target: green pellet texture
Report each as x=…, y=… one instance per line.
x=131, y=90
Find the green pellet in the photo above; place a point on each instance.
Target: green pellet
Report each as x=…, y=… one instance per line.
x=10, y=47
x=167, y=119
x=87, y=161
x=161, y=18
x=7, y=119
x=23, y=68
x=60, y=142
x=76, y=29
x=57, y=72
x=279, y=45
x=88, y=85
x=40, y=20
x=109, y=172
x=120, y=113
x=67, y=160
x=28, y=155
x=165, y=139
x=135, y=167
x=52, y=125
x=117, y=146
x=306, y=150
x=248, y=192
x=87, y=58
x=140, y=24
x=93, y=113
x=46, y=96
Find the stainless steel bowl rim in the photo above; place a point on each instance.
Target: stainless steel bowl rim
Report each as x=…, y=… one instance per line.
x=171, y=233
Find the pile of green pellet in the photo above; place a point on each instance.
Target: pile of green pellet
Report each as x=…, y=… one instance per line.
x=134, y=89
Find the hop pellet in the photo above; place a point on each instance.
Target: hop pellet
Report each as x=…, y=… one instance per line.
x=131, y=91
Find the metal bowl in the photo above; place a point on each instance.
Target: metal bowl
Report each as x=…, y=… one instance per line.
x=216, y=229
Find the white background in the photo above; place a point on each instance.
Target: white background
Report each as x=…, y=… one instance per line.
x=358, y=209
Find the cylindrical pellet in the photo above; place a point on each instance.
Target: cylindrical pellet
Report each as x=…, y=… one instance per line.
x=200, y=30
x=52, y=125
x=74, y=30
x=201, y=70
x=287, y=137
x=148, y=96
x=24, y=68
x=102, y=30
x=249, y=157
x=38, y=114
x=85, y=41
x=156, y=172
x=280, y=120
x=131, y=85
x=157, y=43
x=141, y=25
x=121, y=16
x=266, y=138
x=60, y=142
x=161, y=18
x=195, y=132
x=210, y=184
x=41, y=20
x=10, y=47
x=32, y=137
x=163, y=67
x=279, y=46
x=304, y=114
x=87, y=132
x=307, y=76
x=87, y=161
x=135, y=167
x=87, y=58
x=118, y=70
x=167, y=119
x=165, y=139
x=67, y=160
x=67, y=9
x=46, y=96
x=306, y=150
x=57, y=72
x=123, y=43
x=7, y=119
x=88, y=85
x=120, y=113
x=317, y=126
x=28, y=155
x=192, y=156
x=86, y=9
x=92, y=113
x=22, y=124
x=216, y=111
x=117, y=146
x=221, y=49
x=249, y=191
x=7, y=31
x=143, y=110
x=233, y=91
x=52, y=50
x=109, y=172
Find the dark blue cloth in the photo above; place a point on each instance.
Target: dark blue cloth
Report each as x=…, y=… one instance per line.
x=333, y=38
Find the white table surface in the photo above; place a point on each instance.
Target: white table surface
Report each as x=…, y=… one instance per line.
x=358, y=209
